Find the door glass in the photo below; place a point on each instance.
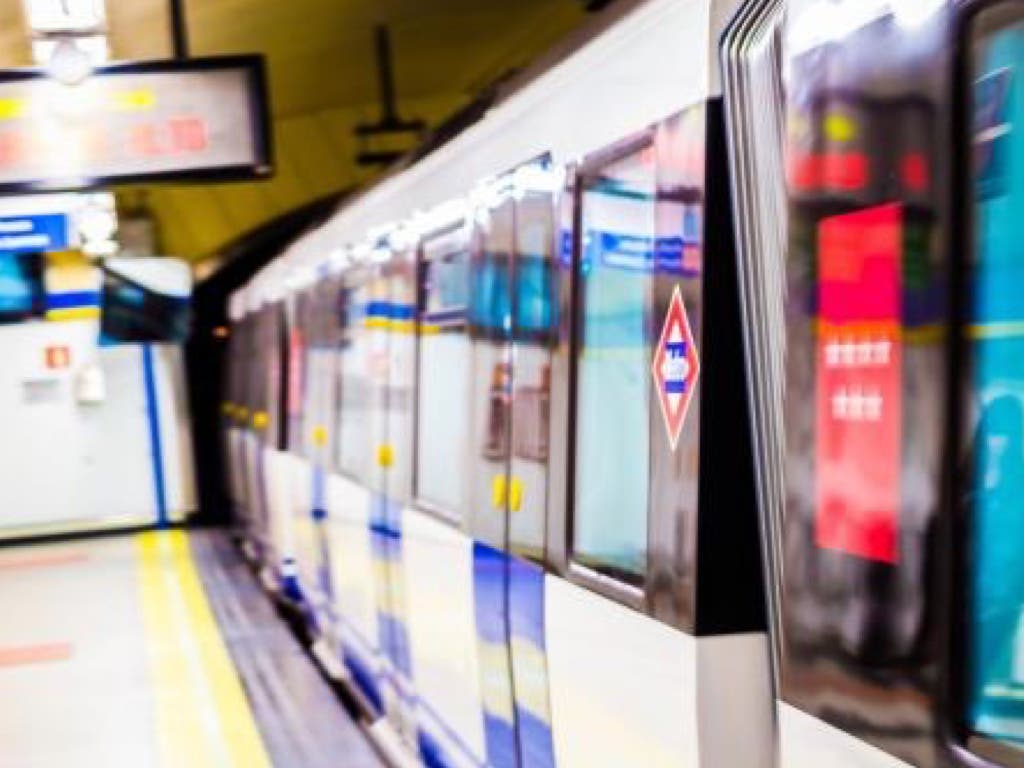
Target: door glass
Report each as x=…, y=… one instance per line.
x=616, y=275
x=444, y=360
x=996, y=389
x=535, y=328
x=354, y=386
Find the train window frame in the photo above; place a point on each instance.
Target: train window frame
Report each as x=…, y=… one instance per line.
x=456, y=519
x=632, y=595
x=966, y=746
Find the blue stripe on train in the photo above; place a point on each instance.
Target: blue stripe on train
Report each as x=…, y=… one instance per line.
x=394, y=642
x=365, y=679
x=431, y=752
x=441, y=750
x=490, y=597
x=536, y=743
x=501, y=741
x=386, y=543
x=526, y=621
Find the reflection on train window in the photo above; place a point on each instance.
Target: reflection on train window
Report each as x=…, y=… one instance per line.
x=613, y=365
x=490, y=313
x=996, y=400
x=444, y=360
x=534, y=295
x=354, y=387
x=21, y=287
x=300, y=322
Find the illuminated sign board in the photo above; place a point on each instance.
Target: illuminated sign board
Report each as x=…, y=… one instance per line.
x=201, y=119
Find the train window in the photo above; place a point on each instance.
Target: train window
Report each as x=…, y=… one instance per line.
x=995, y=400
x=489, y=310
x=612, y=420
x=354, y=386
x=535, y=316
x=444, y=372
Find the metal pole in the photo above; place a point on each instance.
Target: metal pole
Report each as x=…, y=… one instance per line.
x=389, y=112
x=179, y=29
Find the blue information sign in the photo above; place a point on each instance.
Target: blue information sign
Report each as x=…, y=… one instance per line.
x=35, y=233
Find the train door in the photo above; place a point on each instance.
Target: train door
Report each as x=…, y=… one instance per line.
x=655, y=604
x=277, y=466
x=840, y=130
x=534, y=323
x=234, y=416
x=318, y=439
x=265, y=377
x=349, y=495
x=492, y=487
x=392, y=315
x=293, y=460
x=987, y=658
x=447, y=574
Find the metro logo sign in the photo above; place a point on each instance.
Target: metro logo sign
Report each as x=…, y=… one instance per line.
x=675, y=368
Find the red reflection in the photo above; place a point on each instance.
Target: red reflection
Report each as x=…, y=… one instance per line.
x=847, y=171
x=914, y=172
x=859, y=407
x=188, y=134
x=841, y=171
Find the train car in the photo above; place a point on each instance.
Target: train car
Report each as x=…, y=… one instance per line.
x=875, y=167
x=527, y=530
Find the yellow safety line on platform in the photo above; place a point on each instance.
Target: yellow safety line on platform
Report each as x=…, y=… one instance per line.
x=203, y=717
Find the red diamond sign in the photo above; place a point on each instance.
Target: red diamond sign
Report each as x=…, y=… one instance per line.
x=675, y=368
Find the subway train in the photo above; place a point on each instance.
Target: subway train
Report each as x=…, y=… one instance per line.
x=668, y=414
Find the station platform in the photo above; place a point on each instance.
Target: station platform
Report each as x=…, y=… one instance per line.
x=157, y=649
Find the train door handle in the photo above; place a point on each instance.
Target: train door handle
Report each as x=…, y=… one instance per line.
x=515, y=496
x=319, y=435
x=385, y=455
x=499, y=491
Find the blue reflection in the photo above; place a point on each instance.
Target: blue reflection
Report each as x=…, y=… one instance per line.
x=490, y=298
x=996, y=705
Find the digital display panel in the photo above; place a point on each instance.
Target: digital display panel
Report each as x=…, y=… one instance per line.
x=201, y=118
x=859, y=395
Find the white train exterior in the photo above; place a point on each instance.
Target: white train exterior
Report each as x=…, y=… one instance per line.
x=422, y=512
x=669, y=414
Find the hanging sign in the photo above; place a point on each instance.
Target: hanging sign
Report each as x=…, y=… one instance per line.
x=144, y=121
x=34, y=232
x=675, y=368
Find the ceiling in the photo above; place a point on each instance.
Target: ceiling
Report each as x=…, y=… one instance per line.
x=323, y=81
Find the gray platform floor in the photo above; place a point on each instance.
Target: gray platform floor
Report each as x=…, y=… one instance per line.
x=157, y=650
